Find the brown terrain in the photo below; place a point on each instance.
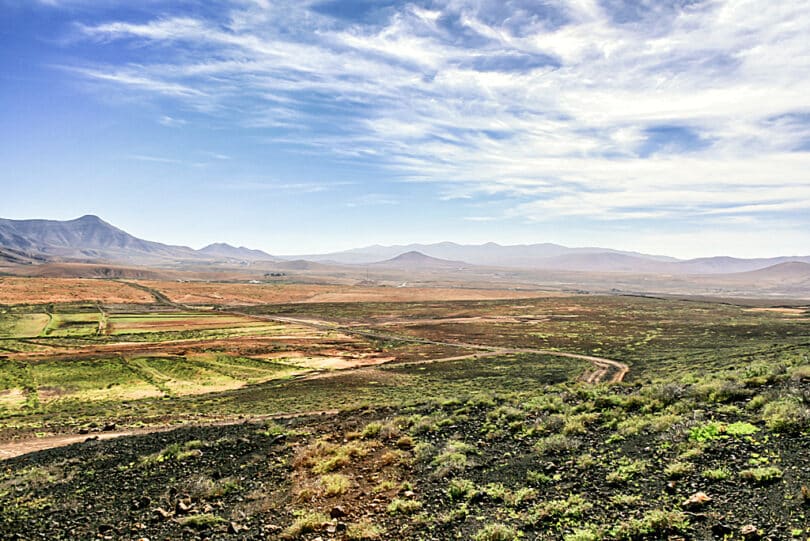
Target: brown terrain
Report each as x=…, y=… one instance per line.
x=205, y=293
x=14, y=290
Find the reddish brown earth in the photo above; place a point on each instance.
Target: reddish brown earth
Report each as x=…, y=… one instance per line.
x=250, y=294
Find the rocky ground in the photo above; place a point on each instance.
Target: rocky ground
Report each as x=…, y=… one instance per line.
x=725, y=459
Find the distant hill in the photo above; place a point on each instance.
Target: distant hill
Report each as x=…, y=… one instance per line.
x=223, y=250
x=489, y=254
x=548, y=256
x=414, y=260
x=790, y=272
x=726, y=265
x=91, y=239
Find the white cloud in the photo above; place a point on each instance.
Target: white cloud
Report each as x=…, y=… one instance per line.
x=171, y=122
x=564, y=137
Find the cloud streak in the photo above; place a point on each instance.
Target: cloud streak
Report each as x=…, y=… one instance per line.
x=600, y=110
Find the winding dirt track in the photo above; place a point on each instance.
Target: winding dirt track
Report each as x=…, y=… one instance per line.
x=605, y=370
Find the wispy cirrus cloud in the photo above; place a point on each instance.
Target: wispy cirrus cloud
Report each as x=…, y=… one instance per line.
x=612, y=110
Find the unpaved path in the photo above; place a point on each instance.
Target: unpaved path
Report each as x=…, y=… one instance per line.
x=605, y=370
x=22, y=447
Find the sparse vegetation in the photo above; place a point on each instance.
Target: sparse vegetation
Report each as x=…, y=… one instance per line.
x=502, y=447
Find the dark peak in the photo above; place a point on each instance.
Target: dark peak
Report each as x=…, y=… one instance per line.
x=413, y=255
x=89, y=219
x=417, y=259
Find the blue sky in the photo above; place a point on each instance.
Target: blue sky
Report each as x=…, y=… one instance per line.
x=678, y=127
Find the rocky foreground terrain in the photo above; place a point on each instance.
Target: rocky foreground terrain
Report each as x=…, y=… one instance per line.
x=727, y=458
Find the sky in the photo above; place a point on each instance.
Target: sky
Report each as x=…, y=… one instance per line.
x=673, y=127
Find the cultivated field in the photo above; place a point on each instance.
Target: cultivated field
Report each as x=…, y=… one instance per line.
x=399, y=414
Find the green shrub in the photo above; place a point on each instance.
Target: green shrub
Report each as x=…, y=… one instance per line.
x=453, y=458
x=505, y=414
x=786, y=415
x=305, y=523
x=580, y=534
x=496, y=492
x=655, y=524
x=723, y=391
x=625, y=500
x=557, y=443
x=521, y=496
x=676, y=470
x=800, y=373
x=496, y=532
x=741, y=429
x=405, y=442
x=461, y=489
x=404, y=507
x=764, y=475
x=371, y=430
x=716, y=474
x=626, y=470
x=757, y=402
x=205, y=520
x=364, y=530
x=335, y=484
x=175, y=451
x=538, y=478
x=706, y=432
x=573, y=507
x=586, y=461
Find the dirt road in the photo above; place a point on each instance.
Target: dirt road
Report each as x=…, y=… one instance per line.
x=22, y=447
x=605, y=370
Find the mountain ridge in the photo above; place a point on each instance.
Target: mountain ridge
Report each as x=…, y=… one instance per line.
x=91, y=239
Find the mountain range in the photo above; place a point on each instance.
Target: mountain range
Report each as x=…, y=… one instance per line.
x=91, y=239
x=555, y=257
